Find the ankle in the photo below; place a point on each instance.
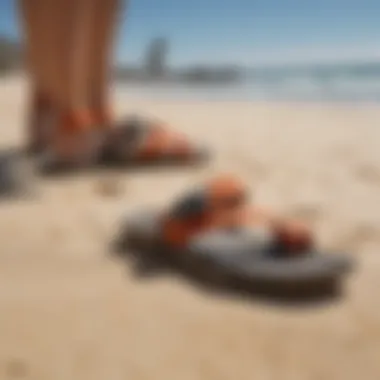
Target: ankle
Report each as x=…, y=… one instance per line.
x=74, y=120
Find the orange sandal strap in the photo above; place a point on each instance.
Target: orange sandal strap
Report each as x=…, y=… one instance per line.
x=155, y=142
x=75, y=120
x=160, y=142
x=222, y=203
x=145, y=141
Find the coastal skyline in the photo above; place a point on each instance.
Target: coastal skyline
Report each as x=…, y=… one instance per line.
x=244, y=32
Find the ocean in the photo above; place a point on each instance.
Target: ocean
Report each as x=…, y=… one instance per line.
x=323, y=83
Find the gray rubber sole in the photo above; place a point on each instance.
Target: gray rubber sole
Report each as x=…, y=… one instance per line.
x=200, y=156
x=241, y=258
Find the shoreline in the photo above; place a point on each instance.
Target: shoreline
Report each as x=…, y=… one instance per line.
x=154, y=92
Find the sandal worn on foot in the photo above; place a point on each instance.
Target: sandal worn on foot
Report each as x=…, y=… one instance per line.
x=135, y=142
x=138, y=141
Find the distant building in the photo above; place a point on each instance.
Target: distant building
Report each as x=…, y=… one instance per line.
x=155, y=68
x=156, y=58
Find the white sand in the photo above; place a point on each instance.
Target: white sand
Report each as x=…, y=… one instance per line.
x=67, y=311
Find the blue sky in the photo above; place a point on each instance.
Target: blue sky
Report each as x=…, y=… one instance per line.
x=244, y=31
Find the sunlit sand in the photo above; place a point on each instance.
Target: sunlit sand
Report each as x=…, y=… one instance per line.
x=68, y=310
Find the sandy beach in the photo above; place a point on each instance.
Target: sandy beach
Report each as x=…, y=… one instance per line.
x=68, y=310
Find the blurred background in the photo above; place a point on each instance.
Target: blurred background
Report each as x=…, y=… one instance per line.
x=238, y=49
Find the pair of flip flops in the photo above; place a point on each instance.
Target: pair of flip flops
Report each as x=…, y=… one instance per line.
x=135, y=141
x=215, y=233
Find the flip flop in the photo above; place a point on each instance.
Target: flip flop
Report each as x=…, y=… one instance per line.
x=133, y=142
x=138, y=141
x=232, y=250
